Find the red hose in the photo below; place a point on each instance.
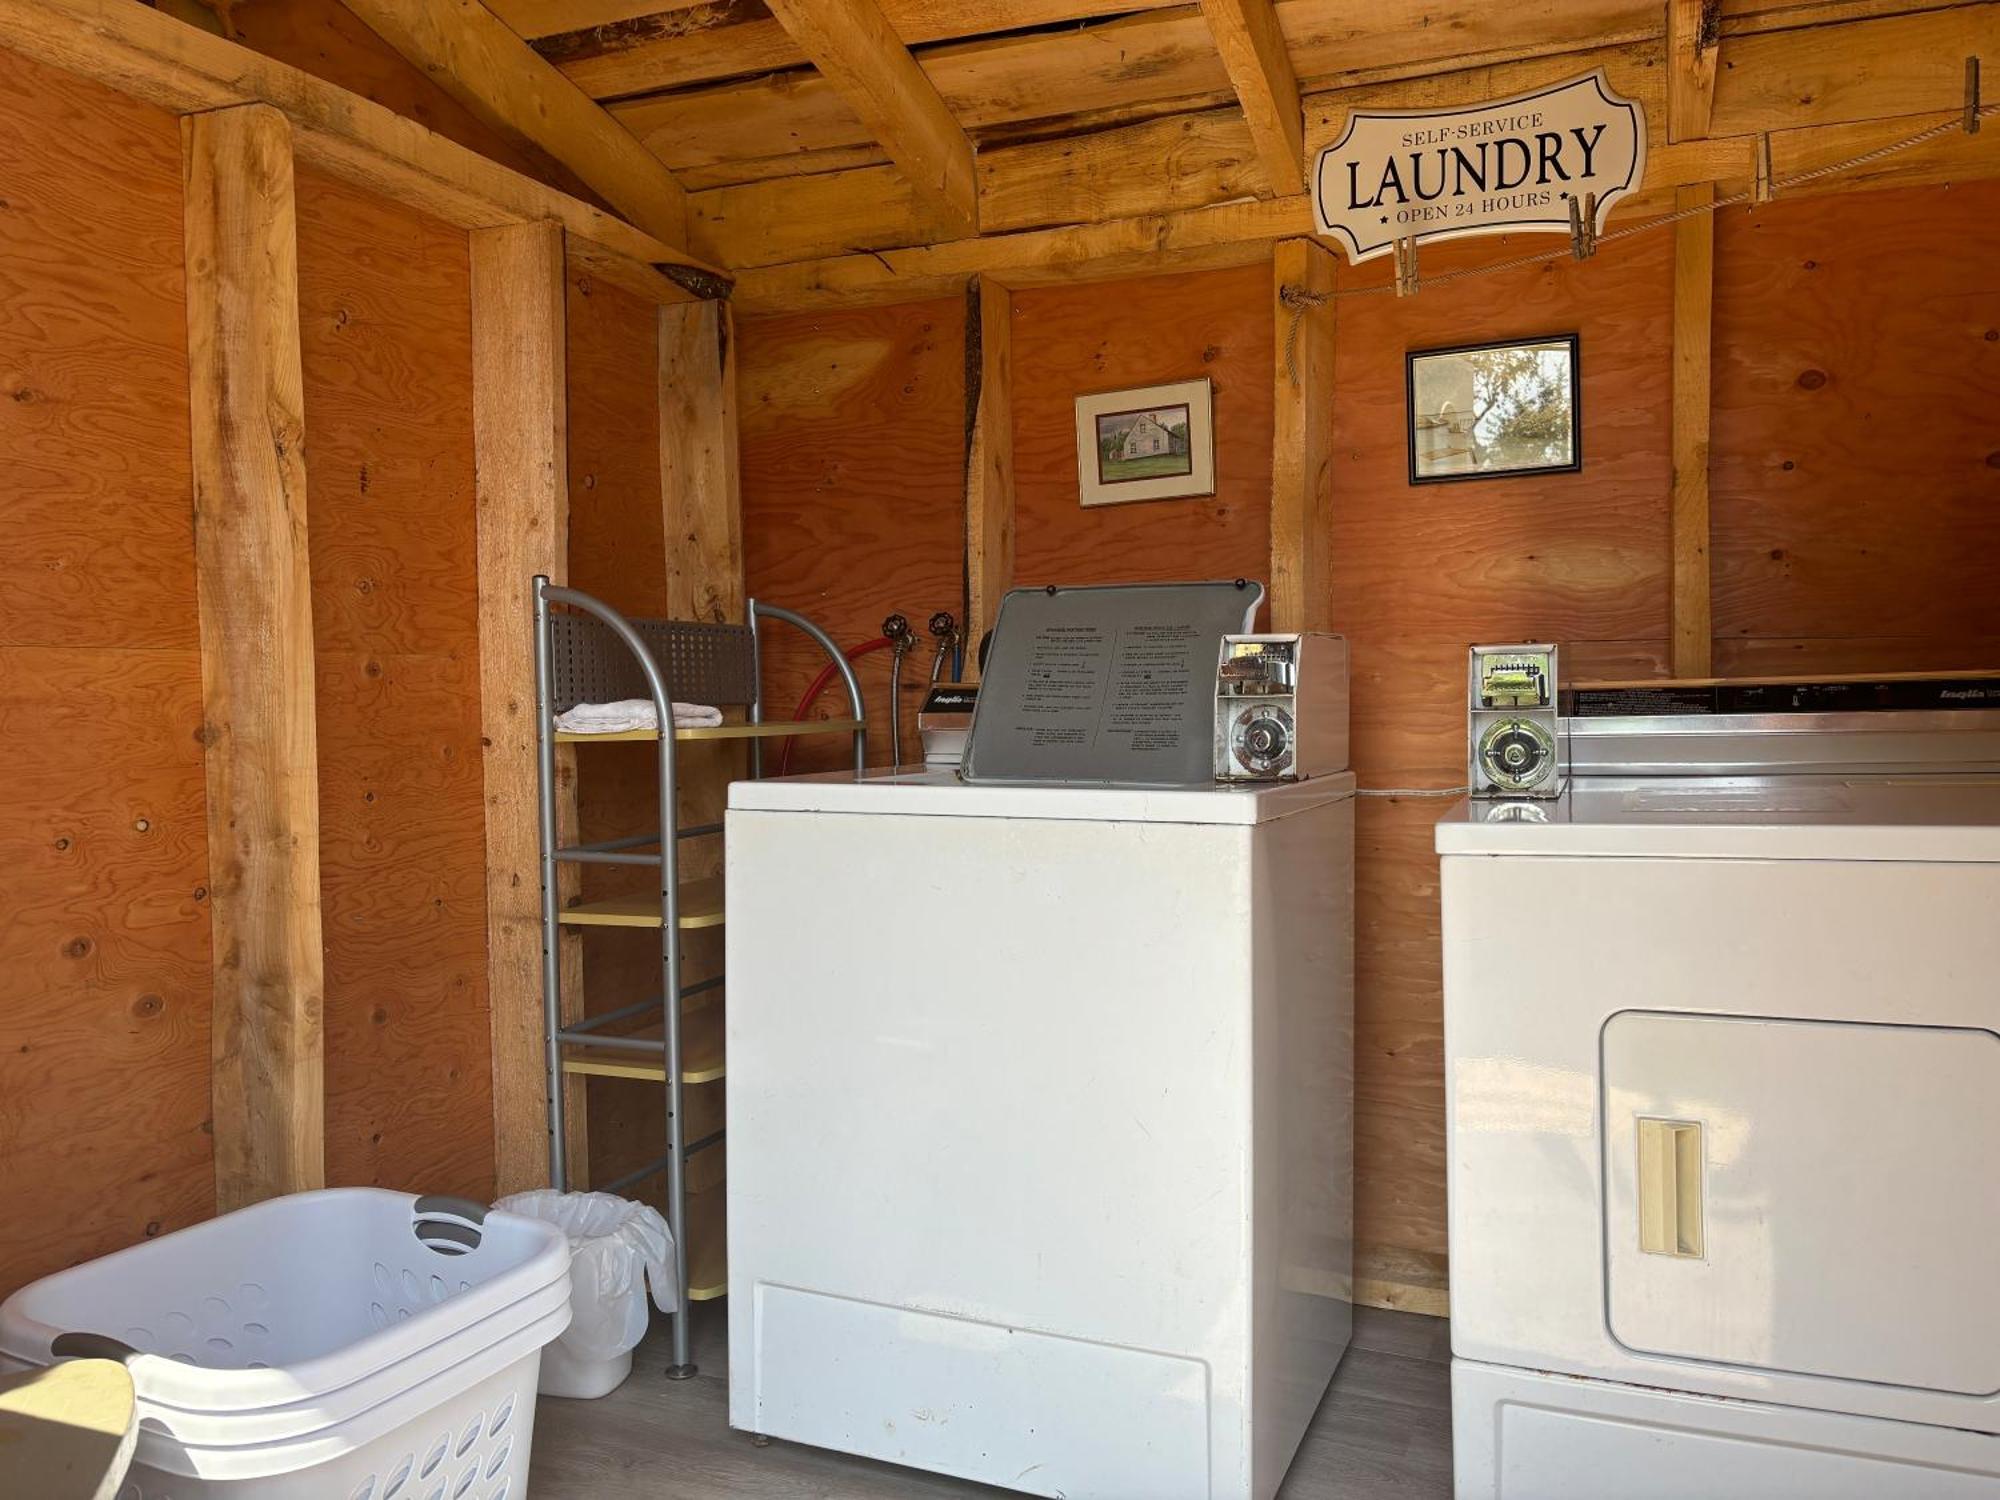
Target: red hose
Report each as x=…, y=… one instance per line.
x=826, y=675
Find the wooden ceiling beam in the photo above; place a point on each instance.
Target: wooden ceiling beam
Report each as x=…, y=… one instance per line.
x=1260, y=69
x=1693, y=46
x=182, y=69
x=474, y=57
x=706, y=41
x=1858, y=70
x=1240, y=233
x=1114, y=71
x=860, y=55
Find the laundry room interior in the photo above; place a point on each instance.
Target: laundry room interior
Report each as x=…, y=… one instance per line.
x=1447, y=952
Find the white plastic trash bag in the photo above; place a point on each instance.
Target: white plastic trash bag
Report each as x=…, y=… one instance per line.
x=616, y=1248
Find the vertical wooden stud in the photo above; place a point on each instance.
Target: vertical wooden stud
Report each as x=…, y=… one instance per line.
x=1302, y=434
x=698, y=466
x=989, y=455
x=521, y=466
x=254, y=589
x=702, y=521
x=1694, y=290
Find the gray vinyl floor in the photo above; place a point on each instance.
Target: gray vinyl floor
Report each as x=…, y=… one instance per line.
x=1383, y=1430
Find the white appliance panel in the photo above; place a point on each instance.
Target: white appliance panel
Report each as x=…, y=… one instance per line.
x=1826, y=1152
x=948, y=1394
x=1060, y=1086
x=1527, y=1435
x=1868, y=942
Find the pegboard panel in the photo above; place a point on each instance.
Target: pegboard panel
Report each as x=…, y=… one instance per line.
x=713, y=664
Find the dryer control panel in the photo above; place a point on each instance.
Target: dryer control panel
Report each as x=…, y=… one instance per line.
x=1514, y=734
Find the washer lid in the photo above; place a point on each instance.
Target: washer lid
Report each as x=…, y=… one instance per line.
x=940, y=793
x=1908, y=817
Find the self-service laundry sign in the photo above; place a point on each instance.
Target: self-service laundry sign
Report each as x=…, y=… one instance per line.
x=1511, y=164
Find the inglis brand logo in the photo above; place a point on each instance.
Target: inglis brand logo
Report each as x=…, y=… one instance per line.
x=1511, y=164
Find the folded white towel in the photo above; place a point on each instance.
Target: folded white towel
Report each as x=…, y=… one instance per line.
x=633, y=713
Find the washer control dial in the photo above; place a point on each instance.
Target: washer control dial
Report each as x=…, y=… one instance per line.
x=1262, y=740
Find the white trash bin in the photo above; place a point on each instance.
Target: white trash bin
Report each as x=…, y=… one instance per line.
x=616, y=1248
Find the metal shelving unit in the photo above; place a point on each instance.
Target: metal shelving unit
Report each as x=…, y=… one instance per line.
x=587, y=652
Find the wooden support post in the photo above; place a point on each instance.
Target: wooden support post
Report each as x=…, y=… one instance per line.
x=702, y=521
x=1302, y=435
x=1694, y=289
x=1694, y=33
x=989, y=456
x=698, y=466
x=254, y=589
x=521, y=467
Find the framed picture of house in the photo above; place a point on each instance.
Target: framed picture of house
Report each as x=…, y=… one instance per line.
x=1154, y=442
x=1486, y=411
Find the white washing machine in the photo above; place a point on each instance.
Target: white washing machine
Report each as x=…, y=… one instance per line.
x=1040, y=1123
x=1723, y=1083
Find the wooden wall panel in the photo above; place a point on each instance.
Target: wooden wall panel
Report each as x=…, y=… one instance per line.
x=104, y=956
x=1856, y=480
x=386, y=339
x=1421, y=571
x=853, y=456
x=1073, y=340
x=617, y=552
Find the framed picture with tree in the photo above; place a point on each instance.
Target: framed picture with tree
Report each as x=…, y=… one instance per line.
x=1488, y=411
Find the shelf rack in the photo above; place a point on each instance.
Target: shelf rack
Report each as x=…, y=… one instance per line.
x=587, y=652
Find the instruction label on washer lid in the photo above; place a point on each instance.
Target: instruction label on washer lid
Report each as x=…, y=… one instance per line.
x=1105, y=686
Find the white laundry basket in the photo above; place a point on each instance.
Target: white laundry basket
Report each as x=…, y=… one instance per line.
x=351, y=1344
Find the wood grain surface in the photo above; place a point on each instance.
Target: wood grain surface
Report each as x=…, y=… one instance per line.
x=617, y=551
x=853, y=457
x=1069, y=341
x=328, y=40
x=1856, y=478
x=520, y=423
x=104, y=957
x=385, y=327
x=253, y=585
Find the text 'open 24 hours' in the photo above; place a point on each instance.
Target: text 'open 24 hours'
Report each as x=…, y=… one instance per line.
x=1438, y=174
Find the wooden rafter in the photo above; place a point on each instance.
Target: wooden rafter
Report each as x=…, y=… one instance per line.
x=1260, y=69
x=176, y=67
x=473, y=56
x=653, y=46
x=1239, y=233
x=1693, y=46
x=853, y=45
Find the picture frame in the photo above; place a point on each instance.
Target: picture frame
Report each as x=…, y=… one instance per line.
x=1495, y=410
x=1151, y=442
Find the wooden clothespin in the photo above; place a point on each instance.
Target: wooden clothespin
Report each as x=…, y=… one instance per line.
x=1406, y=266
x=1583, y=225
x=1762, y=193
x=1972, y=95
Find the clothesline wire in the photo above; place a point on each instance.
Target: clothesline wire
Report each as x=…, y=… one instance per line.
x=1301, y=300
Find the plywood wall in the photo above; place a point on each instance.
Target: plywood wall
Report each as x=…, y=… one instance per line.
x=1420, y=571
x=104, y=953
x=853, y=459
x=1069, y=340
x=1856, y=485
x=384, y=323
x=106, y=956
x=1856, y=495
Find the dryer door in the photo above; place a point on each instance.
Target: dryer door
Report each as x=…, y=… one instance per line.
x=1812, y=1197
